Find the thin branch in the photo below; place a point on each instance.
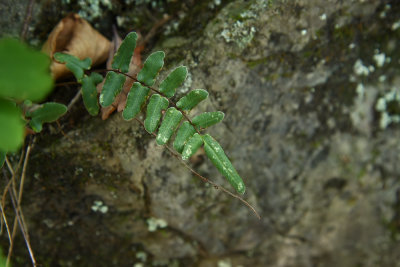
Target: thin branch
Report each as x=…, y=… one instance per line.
x=20, y=222
x=18, y=212
x=4, y=217
x=206, y=180
x=74, y=99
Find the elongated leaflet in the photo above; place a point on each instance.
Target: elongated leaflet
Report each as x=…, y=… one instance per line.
x=135, y=100
x=156, y=104
x=182, y=136
x=111, y=88
x=217, y=156
x=192, y=145
x=173, y=81
x=208, y=119
x=191, y=100
x=151, y=67
x=122, y=58
x=168, y=126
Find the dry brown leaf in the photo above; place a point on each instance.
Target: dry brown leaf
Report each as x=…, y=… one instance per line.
x=75, y=36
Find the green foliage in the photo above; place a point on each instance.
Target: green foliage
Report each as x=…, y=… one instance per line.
x=76, y=65
x=135, y=100
x=168, y=126
x=208, y=119
x=184, y=133
x=24, y=73
x=122, y=58
x=173, y=81
x=12, y=126
x=156, y=104
x=191, y=146
x=188, y=137
x=112, y=87
x=48, y=112
x=24, y=77
x=151, y=67
x=217, y=155
x=191, y=100
x=89, y=92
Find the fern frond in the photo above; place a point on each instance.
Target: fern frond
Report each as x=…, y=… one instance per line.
x=74, y=64
x=188, y=138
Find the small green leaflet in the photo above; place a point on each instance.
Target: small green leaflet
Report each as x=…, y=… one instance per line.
x=217, y=156
x=123, y=57
x=111, y=88
x=168, y=126
x=208, y=119
x=89, y=92
x=192, y=145
x=48, y=112
x=173, y=81
x=135, y=100
x=184, y=133
x=191, y=100
x=151, y=67
x=74, y=64
x=2, y=158
x=12, y=126
x=24, y=72
x=156, y=104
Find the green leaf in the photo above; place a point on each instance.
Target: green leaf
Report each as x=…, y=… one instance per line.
x=184, y=133
x=191, y=100
x=24, y=72
x=135, y=100
x=12, y=126
x=151, y=67
x=217, y=156
x=74, y=64
x=173, y=81
x=123, y=57
x=207, y=119
x=48, y=112
x=192, y=145
x=168, y=126
x=111, y=88
x=89, y=92
x=156, y=104
x=2, y=158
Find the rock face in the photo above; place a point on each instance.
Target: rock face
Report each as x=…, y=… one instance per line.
x=311, y=94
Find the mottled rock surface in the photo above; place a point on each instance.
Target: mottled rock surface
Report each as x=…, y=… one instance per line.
x=311, y=93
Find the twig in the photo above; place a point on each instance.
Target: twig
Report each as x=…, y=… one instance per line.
x=206, y=180
x=74, y=100
x=18, y=211
x=4, y=217
x=28, y=16
x=21, y=225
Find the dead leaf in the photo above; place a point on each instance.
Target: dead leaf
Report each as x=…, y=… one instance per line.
x=75, y=36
